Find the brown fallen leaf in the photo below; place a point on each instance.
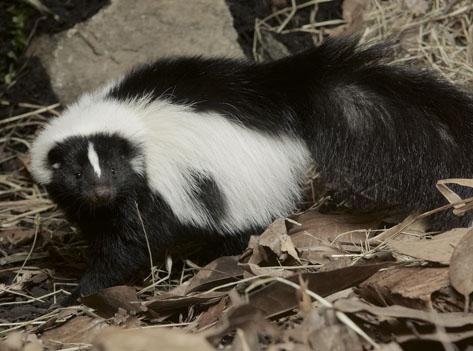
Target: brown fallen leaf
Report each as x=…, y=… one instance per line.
x=460, y=205
x=16, y=236
x=63, y=315
x=277, y=298
x=167, y=303
x=446, y=320
x=353, y=14
x=353, y=11
x=313, y=249
x=438, y=249
x=461, y=272
x=409, y=38
x=249, y=320
x=417, y=7
x=271, y=237
x=312, y=320
x=108, y=301
x=276, y=240
x=335, y=337
x=407, y=286
x=470, y=45
x=334, y=227
x=452, y=336
x=164, y=339
x=310, y=240
x=256, y=270
x=392, y=346
x=212, y=314
x=17, y=341
x=321, y=330
x=81, y=329
x=220, y=271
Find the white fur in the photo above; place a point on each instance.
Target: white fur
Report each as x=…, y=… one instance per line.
x=87, y=117
x=94, y=159
x=258, y=174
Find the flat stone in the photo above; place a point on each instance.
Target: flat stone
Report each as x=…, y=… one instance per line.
x=126, y=33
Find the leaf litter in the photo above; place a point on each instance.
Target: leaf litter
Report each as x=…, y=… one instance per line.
x=315, y=280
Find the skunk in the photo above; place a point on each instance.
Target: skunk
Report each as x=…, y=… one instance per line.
x=213, y=149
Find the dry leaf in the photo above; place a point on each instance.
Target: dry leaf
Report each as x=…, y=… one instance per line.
x=272, y=247
x=168, y=303
x=220, y=271
x=313, y=249
x=409, y=39
x=461, y=272
x=353, y=14
x=407, y=286
x=271, y=237
x=246, y=339
x=276, y=240
x=277, y=298
x=353, y=11
x=246, y=318
x=287, y=246
x=446, y=320
x=470, y=45
x=417, y=7
x=452, y=336
x=305, y=302
x=16, y=236
x=460, y=205
x=163, y=339
x=21, y=342
x=390, y=347
x=212, y=314
x=335, y=337
x=81, y=329
x=273, y=48
x=312, y=321
x=438, y=249
x=107, y=301
x=339, y=227
x=256, y=270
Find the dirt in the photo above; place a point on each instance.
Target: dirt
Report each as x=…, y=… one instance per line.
x=32, y=82
x=246, y=12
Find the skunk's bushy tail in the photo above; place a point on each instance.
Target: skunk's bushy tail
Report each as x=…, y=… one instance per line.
x=382, y=133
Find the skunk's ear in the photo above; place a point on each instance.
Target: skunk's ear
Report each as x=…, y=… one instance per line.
x=55, y=158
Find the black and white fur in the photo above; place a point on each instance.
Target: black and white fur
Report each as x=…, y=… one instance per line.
x=214, y=149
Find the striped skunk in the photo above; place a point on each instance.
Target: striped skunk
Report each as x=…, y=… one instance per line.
x=212, y=150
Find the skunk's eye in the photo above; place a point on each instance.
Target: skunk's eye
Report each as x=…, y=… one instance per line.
x=113, y=171
x=78, y=175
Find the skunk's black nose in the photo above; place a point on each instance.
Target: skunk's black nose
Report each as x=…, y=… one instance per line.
x=103, y=193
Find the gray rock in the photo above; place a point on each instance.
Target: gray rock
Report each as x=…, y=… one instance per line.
x=129, y=32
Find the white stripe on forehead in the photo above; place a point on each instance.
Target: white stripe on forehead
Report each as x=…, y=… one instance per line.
x=94, y=159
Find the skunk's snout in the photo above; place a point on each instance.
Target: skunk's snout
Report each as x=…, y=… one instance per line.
x=101, y=194
x=104, y=192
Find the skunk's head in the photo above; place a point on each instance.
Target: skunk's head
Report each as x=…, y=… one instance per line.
x=94, y=171
x=90, y=157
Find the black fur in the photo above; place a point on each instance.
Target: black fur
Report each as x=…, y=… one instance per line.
x=114, y=230
x=209, y=196
x=381, y=134
x=393, y=156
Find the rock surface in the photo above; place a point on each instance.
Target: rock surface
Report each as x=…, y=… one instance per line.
x=129, y=32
